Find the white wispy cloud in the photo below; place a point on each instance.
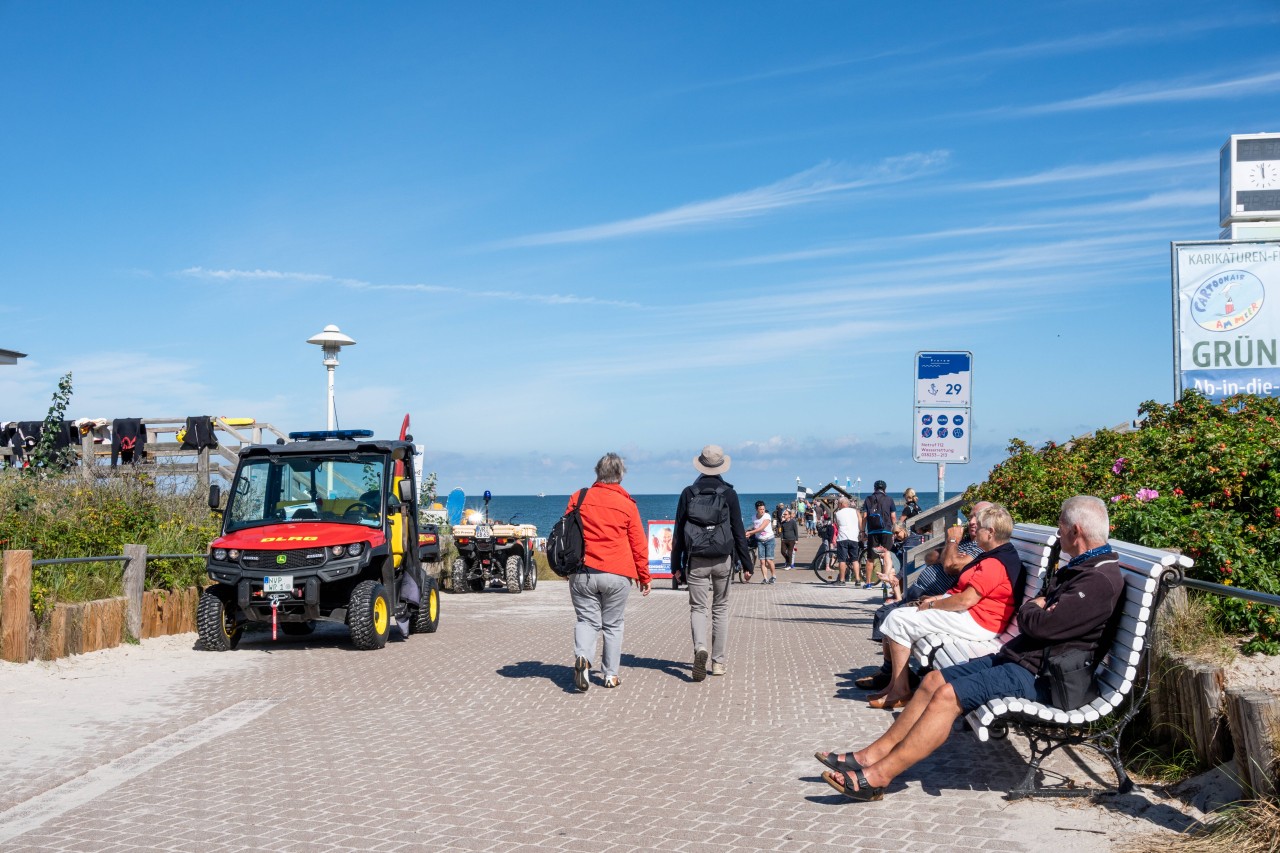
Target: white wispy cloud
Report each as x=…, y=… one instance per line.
x=1163, y=92
x=1095, y=171
x=358, y=284
x=819, y=183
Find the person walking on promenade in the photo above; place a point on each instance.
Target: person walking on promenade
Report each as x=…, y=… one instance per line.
x=766, y=542
x=848, y=545
x=910, y=505
x=811, y=520
x=709, y=538
x=1073, y=615
x=879, y=517
x=790, y=535
x=615, y=554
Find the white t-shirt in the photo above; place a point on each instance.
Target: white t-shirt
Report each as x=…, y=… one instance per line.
x=766, y=534
x=847, y=523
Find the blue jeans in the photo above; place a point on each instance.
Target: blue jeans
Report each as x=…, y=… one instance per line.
x=599, y=603
x=767, y=548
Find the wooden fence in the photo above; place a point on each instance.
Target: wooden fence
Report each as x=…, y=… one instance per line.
x=90, y=626
x=166, y=455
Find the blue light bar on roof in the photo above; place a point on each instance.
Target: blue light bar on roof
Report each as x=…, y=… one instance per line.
x=330, y=434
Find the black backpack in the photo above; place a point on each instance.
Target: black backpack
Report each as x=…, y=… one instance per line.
x=566, y=548
x=707, y=532
x=876, y=513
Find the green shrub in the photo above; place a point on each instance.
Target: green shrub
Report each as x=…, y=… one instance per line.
x=68, y=516
x=1197, y=476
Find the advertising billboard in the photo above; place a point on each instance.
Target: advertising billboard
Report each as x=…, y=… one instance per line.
x=1226, y=317
x=660, y=533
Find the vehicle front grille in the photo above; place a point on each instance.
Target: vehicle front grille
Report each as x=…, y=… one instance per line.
x=269, y=561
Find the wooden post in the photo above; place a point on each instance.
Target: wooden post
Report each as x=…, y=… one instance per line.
x=135, y=576
x=202, y=470
x=16, y=607
x=1255, y=728
x=87, y=456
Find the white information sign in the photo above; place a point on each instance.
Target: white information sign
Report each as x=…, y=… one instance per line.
x=944, y=378
x=1226, y=312
x=941, y=435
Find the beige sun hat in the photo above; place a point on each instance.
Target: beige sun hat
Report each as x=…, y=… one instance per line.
x=712, y=461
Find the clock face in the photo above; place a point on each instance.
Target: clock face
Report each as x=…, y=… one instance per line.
x=1263, y=174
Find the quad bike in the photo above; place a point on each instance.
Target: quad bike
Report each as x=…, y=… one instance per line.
x=492, y=554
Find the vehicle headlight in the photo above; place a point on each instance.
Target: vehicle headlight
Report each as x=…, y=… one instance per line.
x=220, y=554
x=355, y=549
x=338, y=550
x=233, y=553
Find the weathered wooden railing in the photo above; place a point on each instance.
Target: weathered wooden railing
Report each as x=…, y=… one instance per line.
x=166, y=455
x=76, y=628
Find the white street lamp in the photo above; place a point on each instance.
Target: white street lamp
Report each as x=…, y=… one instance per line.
x=331, y=341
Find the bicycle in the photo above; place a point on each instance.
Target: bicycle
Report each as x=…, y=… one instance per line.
x=825, y=565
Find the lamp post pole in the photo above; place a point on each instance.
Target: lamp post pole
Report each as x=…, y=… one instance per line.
x=331, y=341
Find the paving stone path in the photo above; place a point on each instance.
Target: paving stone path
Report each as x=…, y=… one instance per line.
x=475, y=739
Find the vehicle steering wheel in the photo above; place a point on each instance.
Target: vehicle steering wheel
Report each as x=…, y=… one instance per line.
x=360, y=511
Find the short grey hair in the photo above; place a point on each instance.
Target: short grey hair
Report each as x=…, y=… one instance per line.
x=1090, y=515
x=998, y=520
x=610, y=468
x=843, y=502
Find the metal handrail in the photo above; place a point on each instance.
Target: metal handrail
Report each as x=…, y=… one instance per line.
x=68, y=560
x=112, y=559
x=1232, y=592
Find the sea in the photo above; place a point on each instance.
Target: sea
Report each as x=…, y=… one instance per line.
x=544, y=511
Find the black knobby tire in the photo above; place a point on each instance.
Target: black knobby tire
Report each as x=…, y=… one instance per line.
x=427, y=619
x=369, y=616
x=514, y=569
x=458, y=576
x=218, y=629
x=826, y=567
x=530, y=573
x=298, y=629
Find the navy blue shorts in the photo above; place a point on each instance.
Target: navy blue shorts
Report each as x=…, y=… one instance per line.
x=980, y=680
x=847, y=551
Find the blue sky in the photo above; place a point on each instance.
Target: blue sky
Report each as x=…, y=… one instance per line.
x=557, y=230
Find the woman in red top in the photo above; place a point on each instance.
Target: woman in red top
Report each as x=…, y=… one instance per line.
x=977, y=608
x=616, y=554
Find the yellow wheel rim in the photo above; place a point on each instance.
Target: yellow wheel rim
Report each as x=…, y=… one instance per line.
x=433, y=605
x=380, y=615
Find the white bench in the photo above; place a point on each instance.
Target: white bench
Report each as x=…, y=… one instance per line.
x=1148, y=573
x=1038, y=548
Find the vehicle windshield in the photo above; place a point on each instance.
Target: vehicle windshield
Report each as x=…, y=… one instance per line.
x=345, y=489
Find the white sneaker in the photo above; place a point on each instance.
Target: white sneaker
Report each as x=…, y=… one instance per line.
x=717, y=669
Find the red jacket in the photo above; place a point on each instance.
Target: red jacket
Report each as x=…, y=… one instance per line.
x=612, y=532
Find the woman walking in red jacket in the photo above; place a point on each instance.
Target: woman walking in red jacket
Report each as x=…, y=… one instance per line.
x=616, y=554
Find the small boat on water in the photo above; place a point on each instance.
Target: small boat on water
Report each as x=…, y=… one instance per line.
x=542, y=494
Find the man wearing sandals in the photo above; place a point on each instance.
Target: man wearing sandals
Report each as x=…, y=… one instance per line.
x=1073, y=615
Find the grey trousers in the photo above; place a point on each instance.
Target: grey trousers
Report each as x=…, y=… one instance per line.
x=709, y=585
x=599, y=602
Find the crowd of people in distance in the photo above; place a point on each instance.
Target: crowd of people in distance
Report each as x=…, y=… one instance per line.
x=970, y=590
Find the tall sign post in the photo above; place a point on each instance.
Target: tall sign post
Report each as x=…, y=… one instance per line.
x=943, y=411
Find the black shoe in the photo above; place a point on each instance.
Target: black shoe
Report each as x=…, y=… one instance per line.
x=879, y=681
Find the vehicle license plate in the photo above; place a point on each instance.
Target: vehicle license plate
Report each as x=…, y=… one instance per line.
x=277, y=583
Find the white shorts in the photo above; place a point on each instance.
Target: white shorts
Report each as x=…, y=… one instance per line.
x=905, y=625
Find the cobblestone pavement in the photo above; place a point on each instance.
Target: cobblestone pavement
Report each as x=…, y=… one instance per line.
x=475, y=739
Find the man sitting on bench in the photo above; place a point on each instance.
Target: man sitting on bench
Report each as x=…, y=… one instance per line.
x=1073, y=615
